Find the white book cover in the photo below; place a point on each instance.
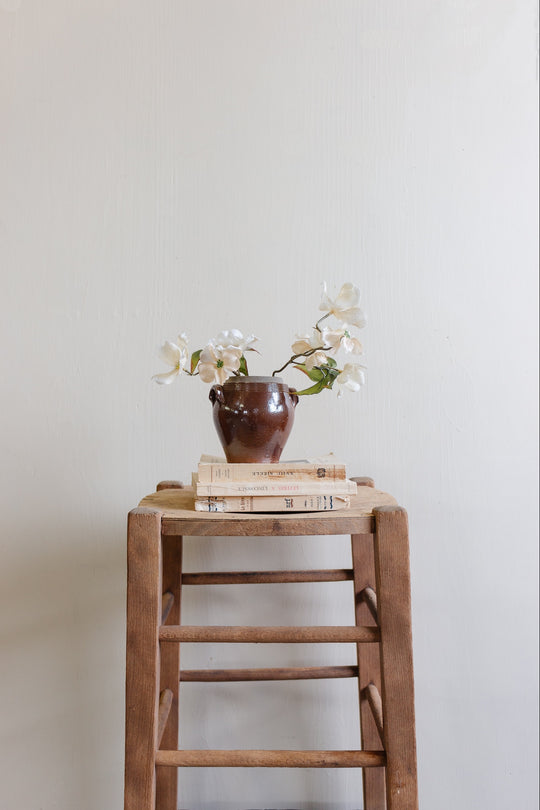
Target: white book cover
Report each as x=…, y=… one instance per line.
x=272, y=487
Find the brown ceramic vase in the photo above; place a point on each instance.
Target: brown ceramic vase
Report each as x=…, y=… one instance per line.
x=253, y=417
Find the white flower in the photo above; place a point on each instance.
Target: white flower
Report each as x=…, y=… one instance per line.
x=351, y=378
x=307, y=343
x=315, y=359
x=341, y=338
x=217, y=364
x=233, y=337
x=175, y=355
x=345, y=307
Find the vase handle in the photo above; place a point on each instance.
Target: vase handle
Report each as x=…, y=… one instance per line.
x=216, y=393
x=294, y=396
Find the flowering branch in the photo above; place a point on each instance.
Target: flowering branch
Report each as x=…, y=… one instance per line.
x=224, y=356
x=295, y=357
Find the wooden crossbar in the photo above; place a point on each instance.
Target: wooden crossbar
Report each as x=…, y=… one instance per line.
x=268, y=674
x=371, y=694
x=165, y=703
x=271, y=759
x=264, y=577
x=369, y=597
x=167, y=601
x=269, y=635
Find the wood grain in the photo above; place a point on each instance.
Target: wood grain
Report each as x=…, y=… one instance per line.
x=269, y=635
x=165, y=703
x=394, y=609
x=368, y=596
x=270, y=759
x=167, y=602
x=267, y=674
x=180, y=518
x=363, y=481
x=166, y=779
x=169, y=485
x=382, y=614
x=142, y=657
x=266, y=577
x=371, y=694
x=368, y=664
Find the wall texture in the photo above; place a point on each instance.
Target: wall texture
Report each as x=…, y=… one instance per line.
x=201, y=164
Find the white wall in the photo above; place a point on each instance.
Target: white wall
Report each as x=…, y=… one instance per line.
x=195, y=165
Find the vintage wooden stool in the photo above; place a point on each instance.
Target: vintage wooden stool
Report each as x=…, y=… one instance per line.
x=382, y=635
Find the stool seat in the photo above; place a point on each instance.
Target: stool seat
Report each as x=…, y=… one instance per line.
x=179, y=516
x=381, y=635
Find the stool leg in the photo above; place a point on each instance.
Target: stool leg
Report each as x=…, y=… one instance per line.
x=142, y=657
x=167, y=778
x=394, y=612
x=368, y=668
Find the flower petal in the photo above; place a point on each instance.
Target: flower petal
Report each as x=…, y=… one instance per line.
x=315, y=359
x=352, y=345
x=355, y=317
x=222, y=374
x=352, y=377
x=248, y=341
x=301, y=344
x=167, y=377
x=169, y=353
x=209, y=354
x=228, y=337
x=332, y=337
x=326, y=303
x=182, y=342
x=231, y=357
x=235, y=338
x=207, y=372
x=348, y=297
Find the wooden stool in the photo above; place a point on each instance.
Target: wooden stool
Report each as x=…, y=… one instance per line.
x=382, y=635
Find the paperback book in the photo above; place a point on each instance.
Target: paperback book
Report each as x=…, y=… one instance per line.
x=273, y=503
x=318, y=484
x=324, y=468
x=274, y=487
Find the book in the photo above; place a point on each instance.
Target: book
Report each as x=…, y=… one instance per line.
x=273, y=503
x=323, y=468
x=273, y=487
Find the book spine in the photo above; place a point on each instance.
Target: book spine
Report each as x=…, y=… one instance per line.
x=303, y=503
x=210, y=473
x=277, y=488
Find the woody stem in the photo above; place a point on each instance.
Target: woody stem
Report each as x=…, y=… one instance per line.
x=302, y=354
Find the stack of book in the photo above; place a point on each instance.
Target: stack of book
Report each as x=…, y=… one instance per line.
x=311, y=485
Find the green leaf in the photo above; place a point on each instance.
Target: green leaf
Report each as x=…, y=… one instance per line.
x=243, y=369
x=314, y=374
x=314, y=389
x=331, y=374
x=195, y=359
x=330, y=362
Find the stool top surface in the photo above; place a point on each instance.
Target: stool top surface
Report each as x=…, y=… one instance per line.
x=179, y=516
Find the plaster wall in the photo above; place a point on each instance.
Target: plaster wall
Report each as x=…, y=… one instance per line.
x=193, y=166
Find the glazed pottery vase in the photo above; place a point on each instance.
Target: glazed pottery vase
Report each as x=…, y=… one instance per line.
x=253, y=417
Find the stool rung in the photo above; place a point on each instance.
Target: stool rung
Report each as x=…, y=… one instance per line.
x=264, y=577
x=371, y=694
x=269, y=674
x=269, y=635
x=165, y=703
x=167, y=601
x=369, y=597
x=271, y=759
